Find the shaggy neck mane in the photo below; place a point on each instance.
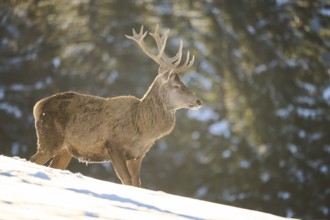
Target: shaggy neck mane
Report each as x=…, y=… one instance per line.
x=157, y=117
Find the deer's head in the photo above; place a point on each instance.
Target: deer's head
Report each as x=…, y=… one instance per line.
x=168, y=83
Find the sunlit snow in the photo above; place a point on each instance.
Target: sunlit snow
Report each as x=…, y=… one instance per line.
x=30, y=191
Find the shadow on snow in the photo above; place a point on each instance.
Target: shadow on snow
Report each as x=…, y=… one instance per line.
x=114, y=197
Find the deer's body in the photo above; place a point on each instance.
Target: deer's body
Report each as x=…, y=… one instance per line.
x=88, y=126
x=120, y=129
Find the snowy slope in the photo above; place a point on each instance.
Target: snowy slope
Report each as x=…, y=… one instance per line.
x=29, y=191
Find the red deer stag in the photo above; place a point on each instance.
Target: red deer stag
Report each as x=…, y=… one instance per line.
x=120, y=129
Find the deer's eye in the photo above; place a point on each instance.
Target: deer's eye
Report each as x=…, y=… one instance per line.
x=176, y=87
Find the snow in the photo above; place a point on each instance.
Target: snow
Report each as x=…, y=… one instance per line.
x=56, y=62
x=326, y=95
x=261, y=68
x=11, y=109
x=30, y=191
x=220, y=128
x=281, y=2
x=309, y=112
x=325, y=12
x=203, y=114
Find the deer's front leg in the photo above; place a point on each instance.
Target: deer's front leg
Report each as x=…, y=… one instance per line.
x=134, y=167
x=120, y=166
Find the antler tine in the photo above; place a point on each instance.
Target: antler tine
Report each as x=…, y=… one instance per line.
x=187, y=64
x=157, y=36
x=163, y=40
x=165, y=62
x=139, y=37
x=178, y=56
x=161, y=43
x=187, y=59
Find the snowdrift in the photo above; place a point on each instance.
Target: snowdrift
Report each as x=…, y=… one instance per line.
x=30, y=191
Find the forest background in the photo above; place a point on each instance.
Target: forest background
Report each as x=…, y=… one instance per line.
x=262, y=139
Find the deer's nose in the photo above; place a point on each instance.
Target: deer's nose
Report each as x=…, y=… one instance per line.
x=199, y=102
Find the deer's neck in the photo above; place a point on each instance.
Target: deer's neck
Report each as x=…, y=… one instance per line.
x=155, y=116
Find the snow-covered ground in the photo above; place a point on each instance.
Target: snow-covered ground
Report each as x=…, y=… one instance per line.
x=30, y=191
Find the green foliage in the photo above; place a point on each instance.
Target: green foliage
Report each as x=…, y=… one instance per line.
x=262, y=139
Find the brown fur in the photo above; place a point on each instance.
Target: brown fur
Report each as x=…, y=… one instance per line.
x=120, y=129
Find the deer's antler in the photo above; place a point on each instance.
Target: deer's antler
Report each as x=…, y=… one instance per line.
x=165, y=62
